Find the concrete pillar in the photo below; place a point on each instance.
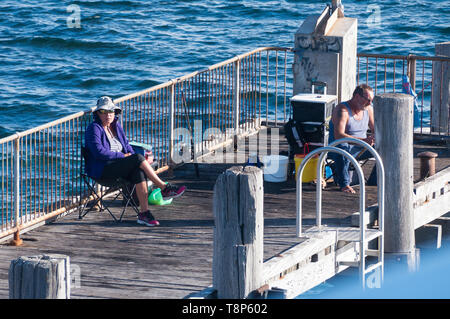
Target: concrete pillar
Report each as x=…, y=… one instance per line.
x=325, y=50
x=440, y=103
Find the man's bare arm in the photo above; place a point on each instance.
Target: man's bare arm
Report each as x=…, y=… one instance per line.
x=340, y=117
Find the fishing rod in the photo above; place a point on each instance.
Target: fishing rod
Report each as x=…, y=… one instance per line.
x=186, y=115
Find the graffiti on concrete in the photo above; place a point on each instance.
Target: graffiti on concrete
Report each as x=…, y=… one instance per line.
x=319, y=43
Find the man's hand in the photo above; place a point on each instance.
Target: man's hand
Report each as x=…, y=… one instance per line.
x=127, y=154
x=369, y=140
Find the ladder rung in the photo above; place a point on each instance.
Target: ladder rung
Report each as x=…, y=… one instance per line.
x=372, y=252
x=376, y=235
x=356, y=264
x=349, y=263
x=372, y=267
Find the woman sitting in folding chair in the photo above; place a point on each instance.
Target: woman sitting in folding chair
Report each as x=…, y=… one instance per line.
x=111, y=156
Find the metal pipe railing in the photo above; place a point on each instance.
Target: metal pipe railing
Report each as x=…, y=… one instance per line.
x=425, y=76
x=217, y=103
x=318, y=207
x=40, y=167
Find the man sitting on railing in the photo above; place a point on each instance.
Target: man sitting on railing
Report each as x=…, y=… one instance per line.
x=111, y=156
x=352, y=119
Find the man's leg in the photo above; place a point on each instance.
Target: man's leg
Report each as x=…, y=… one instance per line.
x=372, y=181
x=343, y=177
x=342, y=165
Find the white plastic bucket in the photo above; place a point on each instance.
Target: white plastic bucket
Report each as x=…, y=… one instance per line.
x=275, y=168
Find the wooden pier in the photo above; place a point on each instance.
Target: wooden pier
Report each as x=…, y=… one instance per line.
x=174, y=260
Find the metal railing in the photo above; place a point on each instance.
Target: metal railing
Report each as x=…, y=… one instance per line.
x=182, y=119
x=40, y=172
x=426, y=75
x=40, y=167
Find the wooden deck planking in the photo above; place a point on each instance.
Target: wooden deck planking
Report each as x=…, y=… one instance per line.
x=127, y=260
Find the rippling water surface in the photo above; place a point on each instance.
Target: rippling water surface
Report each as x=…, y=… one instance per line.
x=50, y=69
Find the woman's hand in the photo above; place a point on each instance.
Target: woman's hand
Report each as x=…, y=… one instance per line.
x=149, y=156
x=127, y=154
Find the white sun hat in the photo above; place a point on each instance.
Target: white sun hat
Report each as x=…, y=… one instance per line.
x=106, y=103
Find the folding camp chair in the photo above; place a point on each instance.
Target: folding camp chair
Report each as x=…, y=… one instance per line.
x=117, y=185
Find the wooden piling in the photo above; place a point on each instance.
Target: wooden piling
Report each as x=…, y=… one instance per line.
x=238, y=232
x=39, y=277
x=440, y=97
x=394, y=142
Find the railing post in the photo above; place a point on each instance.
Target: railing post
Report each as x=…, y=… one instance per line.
x=412, y=71
x=171, y=120
x=440, y=95
x=16, y=191
x=236, y=100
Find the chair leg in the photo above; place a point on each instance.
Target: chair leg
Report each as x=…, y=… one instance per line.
x=98, y=199
x=128, y=197
x=115, y=198
x=82, y=211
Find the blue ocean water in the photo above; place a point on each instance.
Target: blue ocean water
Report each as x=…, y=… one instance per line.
x=429, y=279
x=50, y=67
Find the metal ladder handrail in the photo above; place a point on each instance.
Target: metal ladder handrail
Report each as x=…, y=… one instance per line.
x=380, y=179
x=318, y=185
x=380, y=186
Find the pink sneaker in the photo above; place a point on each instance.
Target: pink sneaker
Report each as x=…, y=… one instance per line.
x=172, y=191
x=147, y=219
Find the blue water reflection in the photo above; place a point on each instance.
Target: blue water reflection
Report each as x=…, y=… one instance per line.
x=430, y=281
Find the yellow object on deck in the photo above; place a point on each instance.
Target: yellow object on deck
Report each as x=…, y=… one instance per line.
x=310, y=170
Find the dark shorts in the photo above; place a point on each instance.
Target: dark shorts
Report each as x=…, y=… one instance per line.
x=126, y=168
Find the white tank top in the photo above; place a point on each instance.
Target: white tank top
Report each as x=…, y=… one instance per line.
x=354, y=127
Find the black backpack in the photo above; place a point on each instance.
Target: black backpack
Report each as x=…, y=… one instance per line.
x=295, y=136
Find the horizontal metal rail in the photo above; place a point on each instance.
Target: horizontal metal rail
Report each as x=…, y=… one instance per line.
x=401, y=57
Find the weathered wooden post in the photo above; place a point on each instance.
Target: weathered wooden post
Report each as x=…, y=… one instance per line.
x=440, y=102
x=394, y=142
x=238, y=232
x=40, y=277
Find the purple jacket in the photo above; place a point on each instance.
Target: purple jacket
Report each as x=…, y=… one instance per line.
x=97, y=144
